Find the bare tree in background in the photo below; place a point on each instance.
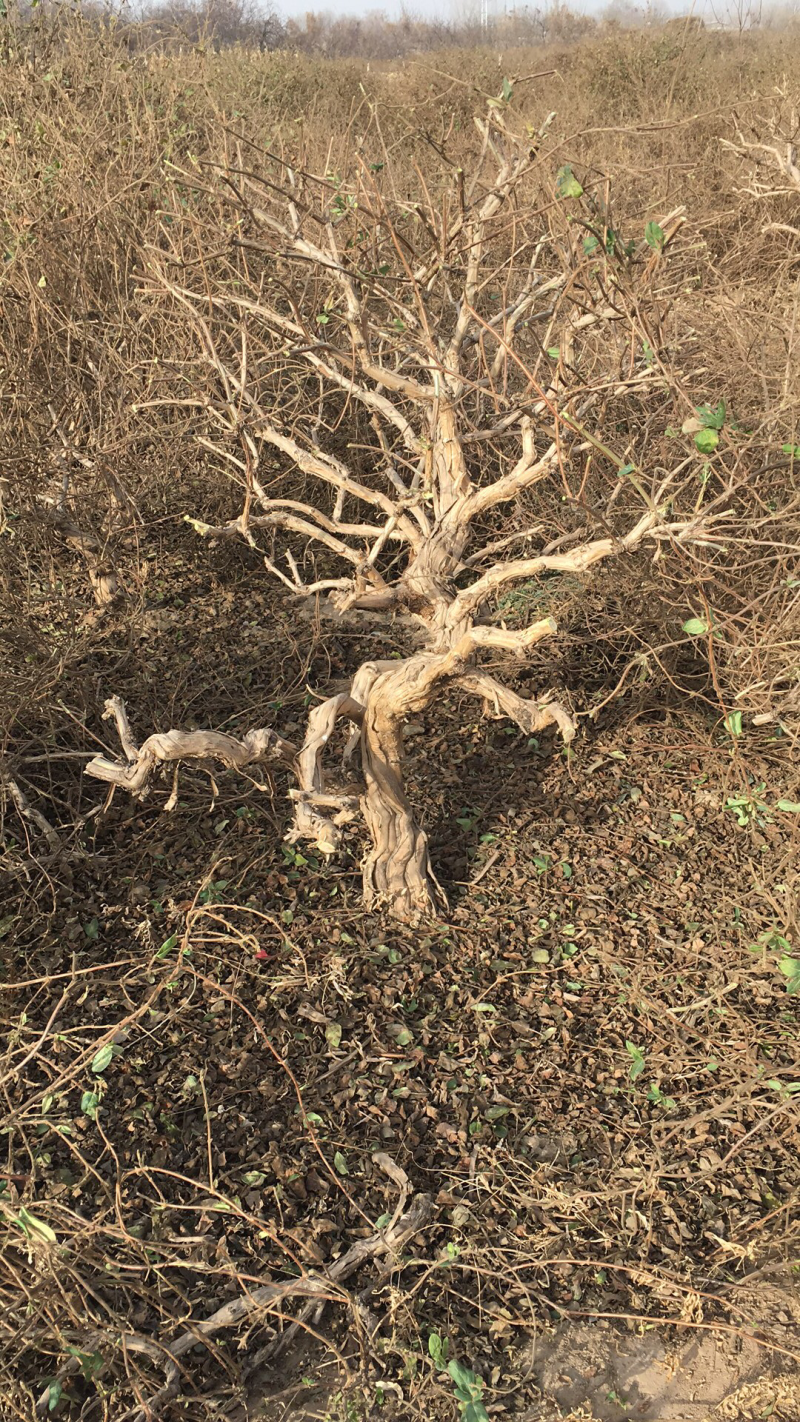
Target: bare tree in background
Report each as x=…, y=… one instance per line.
x=419, y=367
x=216, y=22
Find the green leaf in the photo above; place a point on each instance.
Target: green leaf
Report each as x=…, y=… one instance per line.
x=92, y=930
x=567, y=185
x=553, y=352
x=733, y=723
x=31, y=1225
x=483, y=1007
x=91, y=1363
x=791, y=449
x=54, y=1391
x=695, y=627
x=508, y=89
x=463, y=1377
x=706, y=440
x=101, y=1059
x=789, y=807
x=656, y=1095
x=404, y=1038
x=213, y=892
x=254, y=1177
x=590, y=243
x=625, y=470
x=475, y=1412
x=340, y=1163
x=637, y=1060
x=89, y=1104
x=790, y=967
x=438, y=1349
x=712, y=419
x=167, y=946
x=654, y=236
x=496, y=1113
x=333, y=1034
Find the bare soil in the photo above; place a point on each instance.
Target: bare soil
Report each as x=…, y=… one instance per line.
x=583, y=1067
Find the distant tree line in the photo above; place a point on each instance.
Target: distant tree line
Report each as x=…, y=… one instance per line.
x=220, y=23
x=371, y=36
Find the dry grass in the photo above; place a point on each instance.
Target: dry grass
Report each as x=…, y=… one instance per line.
x=104, y=588
x=94, y=145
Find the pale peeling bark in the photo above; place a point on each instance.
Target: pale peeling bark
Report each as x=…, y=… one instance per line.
x=136, y=772
x=397, y=870
x=312, y=797
x=29, y=811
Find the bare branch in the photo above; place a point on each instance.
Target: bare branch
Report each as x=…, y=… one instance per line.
x=351, y=299
x=782, y=156
x=508, y=641
x=315, y=355
x=528, y=470
x=332, y=471
x=309, y=824
x=255, y=746
x=511, y=170
x=578, y=561
x=273, y=506
x=29, y=811
x=530, y=716
x=320, y=1287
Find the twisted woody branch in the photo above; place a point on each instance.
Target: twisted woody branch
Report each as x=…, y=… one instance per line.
x=430, y=333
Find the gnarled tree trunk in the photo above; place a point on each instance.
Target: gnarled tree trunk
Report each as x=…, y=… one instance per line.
x=397, y=869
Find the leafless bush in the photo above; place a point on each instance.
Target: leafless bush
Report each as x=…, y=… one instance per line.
x=214, y=22
x=434, y=363
x=148, y=255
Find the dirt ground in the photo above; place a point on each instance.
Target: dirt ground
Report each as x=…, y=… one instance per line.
x=588, y=1069
x=599, y=1373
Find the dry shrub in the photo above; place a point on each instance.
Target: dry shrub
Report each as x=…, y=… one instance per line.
x=94, y=141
